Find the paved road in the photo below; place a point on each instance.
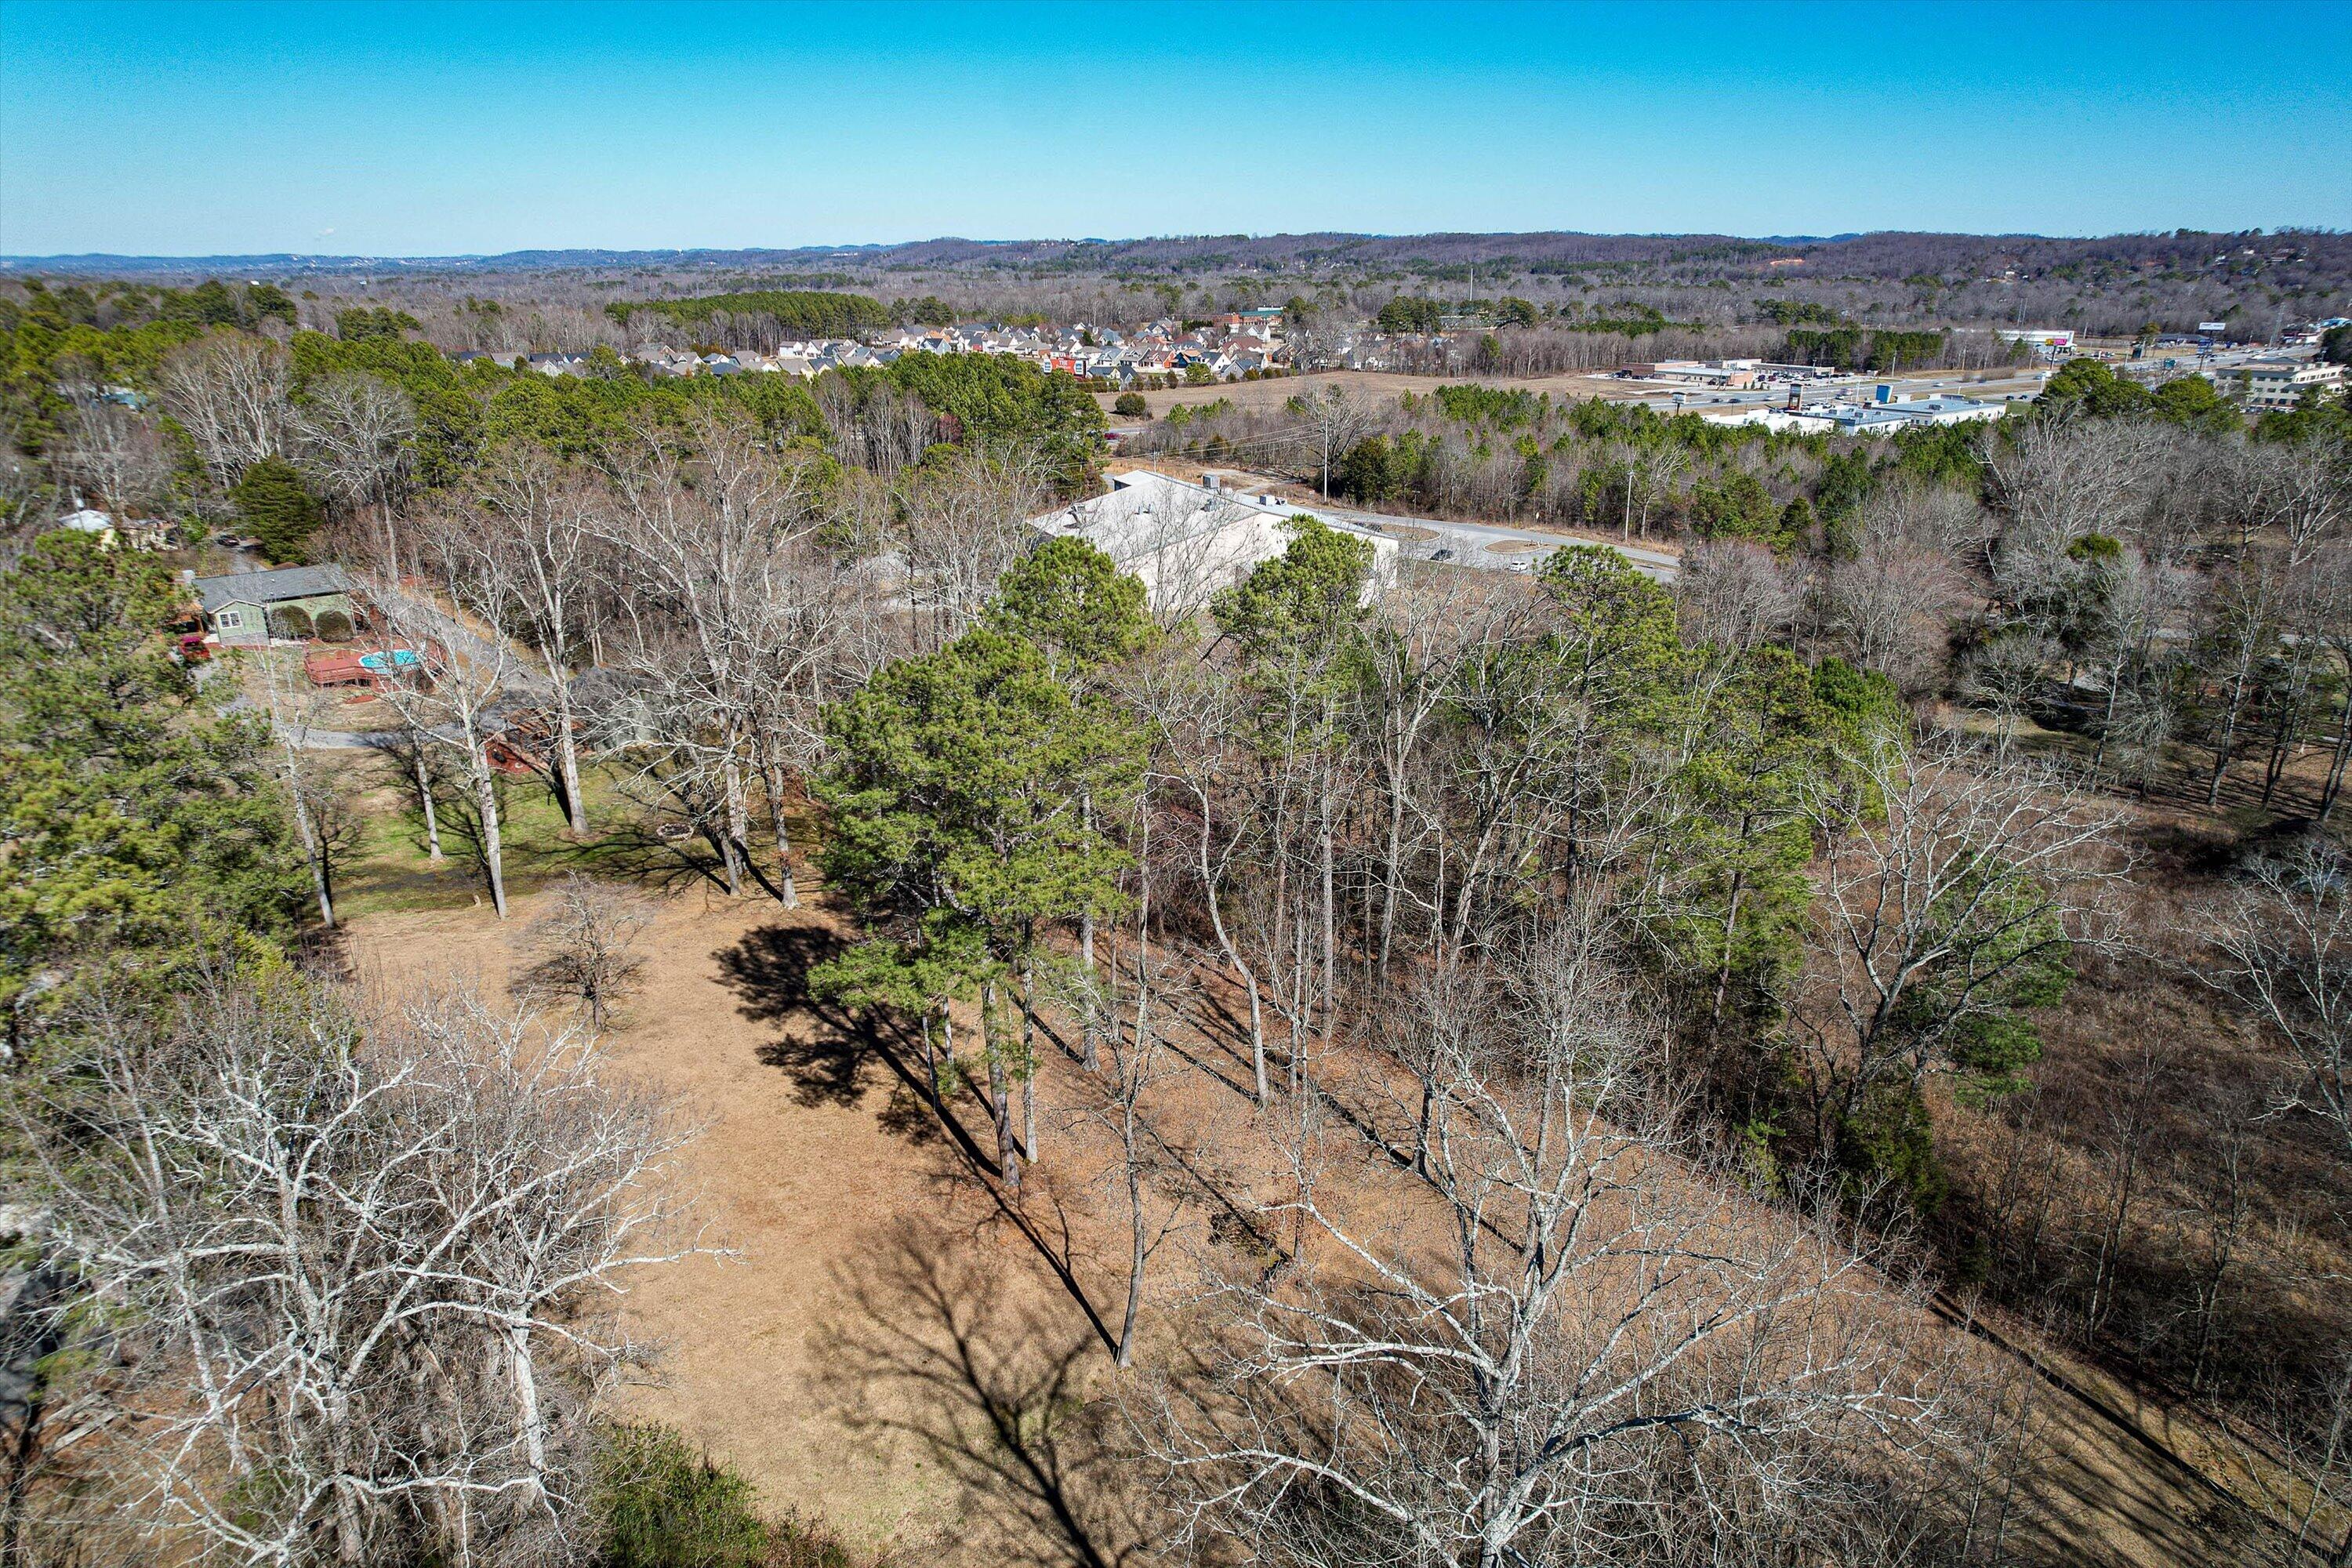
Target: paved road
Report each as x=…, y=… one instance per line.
x=313, y=739
x=1492, y=545
x=316, y=740
x=1495, y=546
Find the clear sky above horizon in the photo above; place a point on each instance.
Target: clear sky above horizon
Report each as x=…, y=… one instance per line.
x=440, y=129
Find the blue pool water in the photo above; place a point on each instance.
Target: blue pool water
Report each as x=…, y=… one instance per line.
x=390, y=659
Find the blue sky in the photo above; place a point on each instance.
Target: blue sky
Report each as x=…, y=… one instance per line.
x=436, y=129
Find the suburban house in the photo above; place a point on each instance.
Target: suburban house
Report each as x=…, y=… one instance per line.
x=138, y=533
x=246, y=609
x=1186, y=541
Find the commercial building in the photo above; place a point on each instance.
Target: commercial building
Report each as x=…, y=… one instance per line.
x=1730, y=373
x=2276, y=384
x=1884, y=416
x=1186, y=541
x=2050, y=341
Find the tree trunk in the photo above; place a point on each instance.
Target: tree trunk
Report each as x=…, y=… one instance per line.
x=2334, y=787
x=486, y=797
x=2107, y=720
x=528, y=1417
x=730, y=776
x=2226, y=742
x=1331, y=925
x=999, y=1097
x=1028, y=1060
x=424, y=796
x=390, y=540
x=1233, y=957
x=567, y=756
x=771, y=778
x=1138, y=1252
x=1089, y=1048
x=1730, y=928
x=314, y=850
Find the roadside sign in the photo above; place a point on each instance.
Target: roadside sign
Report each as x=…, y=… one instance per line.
x=2212, y=326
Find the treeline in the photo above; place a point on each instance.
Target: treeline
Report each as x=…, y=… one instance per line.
x=773, y=314
x=165, y=416
x=211, y=303
x=1863, y=348
x=1473, y=451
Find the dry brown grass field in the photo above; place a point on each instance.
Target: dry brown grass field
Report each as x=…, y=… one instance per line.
x=887, y=1342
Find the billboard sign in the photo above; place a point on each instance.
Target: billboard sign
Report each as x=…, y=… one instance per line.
x=2212, y=326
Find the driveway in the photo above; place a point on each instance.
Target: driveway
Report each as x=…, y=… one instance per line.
x=1491, y=546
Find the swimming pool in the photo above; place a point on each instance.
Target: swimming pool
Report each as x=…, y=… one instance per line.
x=390, y=659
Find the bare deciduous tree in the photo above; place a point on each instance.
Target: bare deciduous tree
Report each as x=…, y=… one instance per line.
x=116, y=456
x=463, y=676
x=228, y=391
x=1949, y=886
x=1584, y=1343
x=727, y=636
x=1737, y=595
x=586, y=948
x=1890, y=602
x=320, y=798
x=357, y=433
x=1330, y=421
x=542, y=528
x=2286, y=931
x=359, y=1272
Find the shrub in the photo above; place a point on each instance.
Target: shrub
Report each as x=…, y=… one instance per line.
x=332, y=626
x=1130, y=405
x=663, y=1504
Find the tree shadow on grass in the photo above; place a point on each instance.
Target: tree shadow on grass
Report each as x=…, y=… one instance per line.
x=929, y=1353
x=835, y=1055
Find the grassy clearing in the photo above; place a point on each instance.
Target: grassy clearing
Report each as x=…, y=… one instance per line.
x=392, y=868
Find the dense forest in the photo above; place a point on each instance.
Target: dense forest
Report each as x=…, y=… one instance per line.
x=786, y=313
x=1569, y=1067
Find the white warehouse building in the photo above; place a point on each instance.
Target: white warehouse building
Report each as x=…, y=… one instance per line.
x=1186, y=541
x=1883, y=417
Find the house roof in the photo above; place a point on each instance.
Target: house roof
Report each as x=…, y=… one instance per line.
x=272, y=587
